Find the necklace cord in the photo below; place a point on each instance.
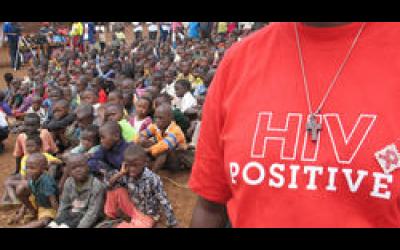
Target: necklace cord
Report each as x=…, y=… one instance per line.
x=301, y=59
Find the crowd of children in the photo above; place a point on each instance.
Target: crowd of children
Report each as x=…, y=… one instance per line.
x=96, y=125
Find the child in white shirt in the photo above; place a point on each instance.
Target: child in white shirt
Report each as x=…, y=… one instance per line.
x=185, y=99
x=37, y=108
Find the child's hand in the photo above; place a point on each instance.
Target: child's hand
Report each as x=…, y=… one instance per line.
x=123, y=170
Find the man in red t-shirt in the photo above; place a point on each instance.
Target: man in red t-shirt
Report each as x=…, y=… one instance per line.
x=300, y=129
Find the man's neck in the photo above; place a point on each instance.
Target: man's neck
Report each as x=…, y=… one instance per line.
x=325, y=24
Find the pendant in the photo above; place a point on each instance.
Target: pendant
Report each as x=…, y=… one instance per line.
x=313, y=127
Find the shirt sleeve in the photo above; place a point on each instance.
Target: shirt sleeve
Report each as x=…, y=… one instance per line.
x=6, y=109
x=169, y=142
x=49, y=145
x=50, y=187
x=52, y=160
x=25, y=105
x=95, y=162
x=65, y=200
x=208, y=178
x=54, y=125
x=163, y=199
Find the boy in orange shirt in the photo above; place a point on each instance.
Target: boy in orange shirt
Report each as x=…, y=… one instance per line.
x=165, y=141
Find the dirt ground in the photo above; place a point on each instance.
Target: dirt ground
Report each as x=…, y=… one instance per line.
x=182, y=199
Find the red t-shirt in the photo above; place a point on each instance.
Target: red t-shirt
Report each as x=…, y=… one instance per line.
x=254, y=152
x=102, y=96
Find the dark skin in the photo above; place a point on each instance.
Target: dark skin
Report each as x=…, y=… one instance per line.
x=113, y=113
x=88, y=97
x=60, y=110
x=36, y=103
x=210, y=214
x=127, y=85
x=36, y=164
x=88, y=140
x=163, y=117
x=142, y=108
x=115, y=98
x=13, y=181
x=78, y=168
x=132, y=166
x=82, y=84
x=127, y=100
x=84, y=118
x=180, y=90
x=108, y=137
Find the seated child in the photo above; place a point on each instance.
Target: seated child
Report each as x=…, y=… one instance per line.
x=33, y=145
x=81, y=85
x=26, y=103
x=31, y=126
x=59, y=123
x=16, y=96
x=90, y=96
x=164, y=140
x=37, y=108
x=67, y=93
x=116, y=97
x=112, y=146
x=82, y=201
x=55, y=94
x=38, y=195
x=137, y=192
x=199, y=86
x=180, y=119
x=89, y=141
x=185, y=99
x=141, y=119
x=115, y=112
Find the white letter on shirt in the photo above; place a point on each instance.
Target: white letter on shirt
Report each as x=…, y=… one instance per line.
x=360, y=176
x=279, y=176
x=312, y=169
x=260, y=169
x=378, y=185
x=294, y=169
x=234, y=168
x=332, y=174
